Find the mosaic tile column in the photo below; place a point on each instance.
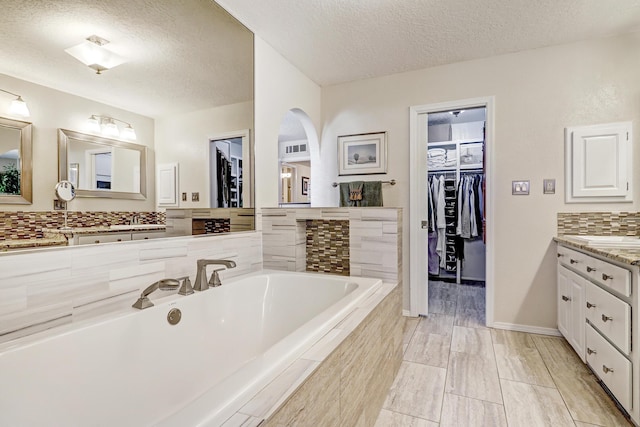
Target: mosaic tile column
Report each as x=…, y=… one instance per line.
x=328, y=246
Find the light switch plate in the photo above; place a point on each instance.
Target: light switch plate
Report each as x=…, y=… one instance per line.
x=184, y=197
x=195, y=197
x=549, y=186
x=520, y=188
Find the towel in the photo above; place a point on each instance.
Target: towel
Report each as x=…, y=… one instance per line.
x=371, y=193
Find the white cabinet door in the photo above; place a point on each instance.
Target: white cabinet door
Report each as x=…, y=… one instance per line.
x=578, y=321
x=167, y=184
x=564, y=302
x=598, y=164
x=571, y=311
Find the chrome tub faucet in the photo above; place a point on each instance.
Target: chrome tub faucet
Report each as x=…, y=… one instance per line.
x=164, y=285
x=201, y=277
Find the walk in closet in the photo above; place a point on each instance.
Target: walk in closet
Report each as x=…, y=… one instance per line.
x=455, y=163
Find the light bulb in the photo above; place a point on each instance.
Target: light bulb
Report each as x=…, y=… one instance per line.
x=129, y=133
x=19, y=107
x=110, y=129
x=93, y=124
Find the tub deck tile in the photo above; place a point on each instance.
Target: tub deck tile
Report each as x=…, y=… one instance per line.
x=270, y=397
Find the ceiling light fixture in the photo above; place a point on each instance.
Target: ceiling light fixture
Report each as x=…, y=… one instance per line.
x=456, y=113
x=107, y=126
x=18, y=106
x=94, y=55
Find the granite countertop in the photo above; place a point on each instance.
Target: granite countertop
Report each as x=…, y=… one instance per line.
x=625, y=256
x=106, y=229
x=43, y=242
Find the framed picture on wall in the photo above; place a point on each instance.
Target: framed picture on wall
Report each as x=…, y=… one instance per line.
x=305, y=185
x=362, y=154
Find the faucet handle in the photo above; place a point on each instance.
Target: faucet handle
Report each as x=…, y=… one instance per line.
x=185, y=288
x=214, y=281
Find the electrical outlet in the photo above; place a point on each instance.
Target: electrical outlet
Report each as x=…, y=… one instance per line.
x=549, y=186
x=520, y=188
x=184, y=197
x=195, y=197
x=59, y=205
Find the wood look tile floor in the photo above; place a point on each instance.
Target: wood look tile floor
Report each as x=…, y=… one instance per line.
x=456, y=372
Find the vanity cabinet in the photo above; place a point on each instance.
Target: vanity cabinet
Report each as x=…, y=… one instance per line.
x=596, y=300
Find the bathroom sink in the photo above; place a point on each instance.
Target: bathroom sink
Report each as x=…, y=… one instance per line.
x=607, y=241
x=135, y=226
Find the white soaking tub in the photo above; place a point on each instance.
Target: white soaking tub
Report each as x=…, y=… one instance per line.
x=137, y=370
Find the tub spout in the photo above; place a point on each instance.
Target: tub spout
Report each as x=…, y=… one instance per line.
x=201, y=277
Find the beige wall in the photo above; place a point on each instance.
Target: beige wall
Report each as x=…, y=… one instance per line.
x=537, y=94
x=51, y=109
x=279, y=88
x=184, y=139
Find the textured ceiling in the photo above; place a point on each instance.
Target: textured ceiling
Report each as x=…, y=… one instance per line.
x=182, y=55
x=334, y=41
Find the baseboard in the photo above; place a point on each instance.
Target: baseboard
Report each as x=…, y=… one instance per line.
x=406, y=313
x=526, y=328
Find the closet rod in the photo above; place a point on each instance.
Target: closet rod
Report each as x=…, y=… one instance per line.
x=392, y=182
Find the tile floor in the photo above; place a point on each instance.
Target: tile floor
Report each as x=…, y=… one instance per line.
x=456, y=372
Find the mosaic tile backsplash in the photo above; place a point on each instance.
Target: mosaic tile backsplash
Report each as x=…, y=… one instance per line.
x=599, y=223
x=328, y=246
x=29, y=224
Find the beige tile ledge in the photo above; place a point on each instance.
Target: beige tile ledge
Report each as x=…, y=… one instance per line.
x=625, y=256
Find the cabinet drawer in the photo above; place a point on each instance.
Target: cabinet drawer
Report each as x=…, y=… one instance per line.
x=104, y=238
x=610, y=276
x=610, y=366
x=572, y=259
x=145, y=235
x=610, y=315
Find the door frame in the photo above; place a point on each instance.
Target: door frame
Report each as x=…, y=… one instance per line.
x=418, y=173
x=247, y=153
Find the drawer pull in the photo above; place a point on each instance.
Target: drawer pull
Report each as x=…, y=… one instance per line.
x=606, y=277
x=606, y=318
x=573, y=261
x=589, y=351
x=565, y=298
x=97, y=241
x=589, y=305
x=560, y=255
x=606, y=369
x=119, y=240
x=589, y=269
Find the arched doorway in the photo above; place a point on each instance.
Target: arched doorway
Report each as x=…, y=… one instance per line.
x=297, y=147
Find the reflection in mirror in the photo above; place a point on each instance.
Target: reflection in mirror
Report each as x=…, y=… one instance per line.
x=15, y=162
x=102, y=167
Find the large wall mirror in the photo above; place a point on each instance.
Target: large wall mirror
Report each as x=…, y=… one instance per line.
x=102, y=167
x=187, y=76
x=15, y=162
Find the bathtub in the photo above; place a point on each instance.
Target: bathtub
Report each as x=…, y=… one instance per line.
x=136, y=369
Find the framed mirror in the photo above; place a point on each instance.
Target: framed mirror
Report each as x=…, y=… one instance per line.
x=15, y=162
x=102, y=167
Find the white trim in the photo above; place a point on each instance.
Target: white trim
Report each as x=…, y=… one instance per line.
x=415, y=231
x=527, y=328
x=407, y=313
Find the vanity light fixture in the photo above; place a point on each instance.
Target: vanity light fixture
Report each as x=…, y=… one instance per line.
x=18, y=106
x=94, y=55
x=107, y=126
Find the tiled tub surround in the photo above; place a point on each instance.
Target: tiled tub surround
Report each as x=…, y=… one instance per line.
x=41, y=289
x=375, y=239
x=599, y=223
x=327, y=246
x=258, y=345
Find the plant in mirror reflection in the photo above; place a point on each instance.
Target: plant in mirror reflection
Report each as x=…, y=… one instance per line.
x=10, y=180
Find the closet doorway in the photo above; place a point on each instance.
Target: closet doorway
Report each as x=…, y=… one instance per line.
x=450, y=210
